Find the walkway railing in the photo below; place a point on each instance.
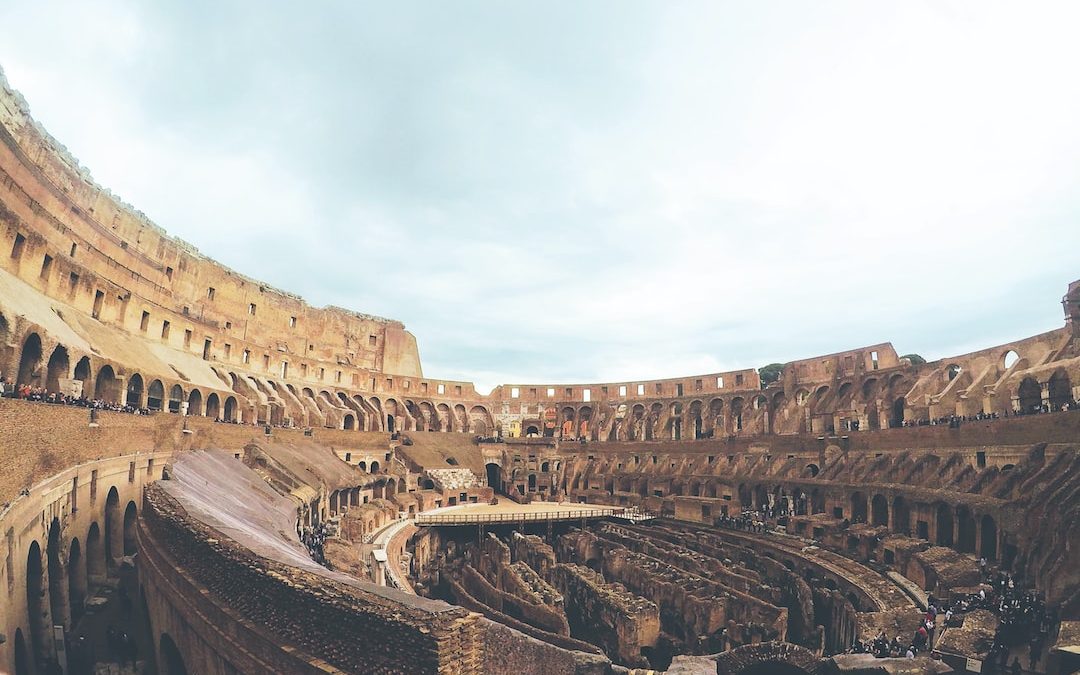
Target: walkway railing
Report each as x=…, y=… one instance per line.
x=524, y=517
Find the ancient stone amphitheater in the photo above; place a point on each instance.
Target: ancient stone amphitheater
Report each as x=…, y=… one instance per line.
x=242, y=483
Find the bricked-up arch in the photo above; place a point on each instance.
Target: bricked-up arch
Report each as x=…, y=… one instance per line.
x=768, y=658
x=106, y=386
x=29, y=362
x=172, y=662
x=57, y=368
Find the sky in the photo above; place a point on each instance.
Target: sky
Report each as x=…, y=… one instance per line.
x=599, y=191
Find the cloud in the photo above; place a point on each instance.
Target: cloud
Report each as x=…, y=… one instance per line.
x=610, y=191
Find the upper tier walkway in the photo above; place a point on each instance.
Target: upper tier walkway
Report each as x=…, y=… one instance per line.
x=513, y=513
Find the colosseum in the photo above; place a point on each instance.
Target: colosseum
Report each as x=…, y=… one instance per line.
x=204, y=474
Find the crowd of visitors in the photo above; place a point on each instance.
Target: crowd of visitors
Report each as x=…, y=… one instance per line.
x=314, y=538
x=955, y=421
x=42, y=395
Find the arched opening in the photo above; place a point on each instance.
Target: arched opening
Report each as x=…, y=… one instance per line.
x=35, y=602
x=76, y=580
x=988, y=545
x=130, y=514
x=427, y=484
x=965, y=527
x=213, y=406
x=95, y=557
x=176, y=397
x=879, y=511
x=532, y=482
x=105, y=386
x=858, y=508
x=134, y=391
x=195, y=403
x=1030, y=395
x=172, y=662
x=114, y=533
x=812, y=470
x=493, y=476
x=402, y=486
x=155, y=395
x=82, y=371
x=944, y=525
x=22, y=658
x=362, y=466
x=901, y=516
x=953, y=371
x=1010, y=358
x=57, y=368
x=374, y=467
x=349, y=422
x=1060, y=390
x=29, y=361
x=898, y=411
x=532, y=430
x=390, y=488
x=58, y=592
x=230, y=409
x=390, y=423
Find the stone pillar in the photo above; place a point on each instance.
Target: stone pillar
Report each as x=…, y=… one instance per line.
x=956, y=529
x=1045, y=387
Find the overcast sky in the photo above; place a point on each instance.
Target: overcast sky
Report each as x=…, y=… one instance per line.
x=574, y=192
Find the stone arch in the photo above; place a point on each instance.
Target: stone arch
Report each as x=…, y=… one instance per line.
x=155, y=395
x=230, y=409
x=901, y=515
x=82, y=372
x=811, y=470
x=29, y=364
x=1009, y=358
x=57, y=368
x=213, y=406
x=35, y=602
x=134, y=390
x=1030, y=394
x=858, y=507
x=131, y=512
x=461, y=418
x=374, y=468
x=95, y=556
x=944, y=522
x=879, y=510
x=348, y=422
x=114, y=532
x=988, y=545
x=77, y=586
x=106, y=386
x=897, y=418
x=58, y=589
x=965, y=530
x=172, y=661
x=22, y=656
x=176, y=397
x=481, y=422
x=1060, y=389
x=195, y=403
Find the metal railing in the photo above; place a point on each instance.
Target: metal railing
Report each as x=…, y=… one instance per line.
x=524, y=517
